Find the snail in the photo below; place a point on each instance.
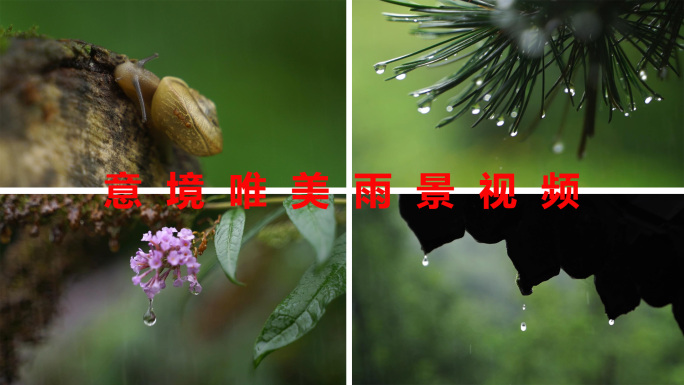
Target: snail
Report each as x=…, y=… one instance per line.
x=170, y=106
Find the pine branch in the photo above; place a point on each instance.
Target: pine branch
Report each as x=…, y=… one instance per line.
x=508, y=47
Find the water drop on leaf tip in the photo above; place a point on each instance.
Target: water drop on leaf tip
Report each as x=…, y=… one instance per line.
x=523, y=326
x=425, y=261
x=611, y=322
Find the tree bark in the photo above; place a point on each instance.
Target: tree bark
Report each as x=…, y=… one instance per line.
x=65, y=122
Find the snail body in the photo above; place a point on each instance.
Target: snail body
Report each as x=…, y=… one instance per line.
x=168, y=105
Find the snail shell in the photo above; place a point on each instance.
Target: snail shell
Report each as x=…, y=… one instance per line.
x=188, y=118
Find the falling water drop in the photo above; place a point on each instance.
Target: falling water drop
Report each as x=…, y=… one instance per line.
x=380, y=68
x=401, y=76
x=425, y=260
x=523, y=326
x=149, y=318
x=558, y=147
x=611, y=322
x=523, y=306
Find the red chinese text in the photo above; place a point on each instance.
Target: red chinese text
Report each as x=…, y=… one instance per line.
x=500, y=183
x=123, y=190
x=373, y=192
x=435, y=182
x=310, y=186
x=247, y=192
x=568, y=190
x=190, y=190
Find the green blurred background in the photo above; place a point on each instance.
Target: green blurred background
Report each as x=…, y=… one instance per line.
x=275, y=69
x=457, y=321
x=98, y=336
x=391, y=136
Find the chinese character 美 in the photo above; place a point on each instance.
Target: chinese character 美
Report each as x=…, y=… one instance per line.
x=249, y=188
x=499, y=190
x=190, y=190
x=568, y=190
x=122, y=191
x=435, y=181
x=311, y=186
x=376, y=191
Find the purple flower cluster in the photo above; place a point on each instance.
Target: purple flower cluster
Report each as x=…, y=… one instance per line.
x=167, y=254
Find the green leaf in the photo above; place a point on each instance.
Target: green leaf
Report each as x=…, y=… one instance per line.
x=315, y=224
x=301, y=310
x=228, y=240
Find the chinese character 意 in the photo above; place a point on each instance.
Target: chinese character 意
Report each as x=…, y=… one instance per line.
x=122, y=190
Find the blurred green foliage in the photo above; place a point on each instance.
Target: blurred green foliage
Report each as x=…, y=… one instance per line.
x=458, y=320
x=645, y=149
x=275, y=69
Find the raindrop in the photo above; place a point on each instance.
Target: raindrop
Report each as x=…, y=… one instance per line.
x=401, y=76
x=558, y=147
x=523, y=326
x=487, y=97
x=380, y=68
x=149, y=318
x=500, y=122
x=648, y=99
x=523, y=306
x=424, y=109
x=425, y=260
x=643, y=75
x=611, y=322
x=475, y=110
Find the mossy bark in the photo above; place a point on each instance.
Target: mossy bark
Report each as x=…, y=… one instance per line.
x=65, y=122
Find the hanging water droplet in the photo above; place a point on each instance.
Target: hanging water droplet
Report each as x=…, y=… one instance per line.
x=659, y=98
x=626, y=113
x=501, y=121
x=449, y=108
x=648, y=99
x=570, y=90
x=643, y=75
x=523, y=306
x=487, y=97
x=611, y=322
x=380, y=68
x=543, y=114
x=415, y=94
x=149, y=318
x=514, y=114
x=558, y=147
x=401, y=77
x=424, y=109
x=523, y=326
x=514, y=132
x=425, y=260
x=194, y=291
x=476, y=109
x=478, y=82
